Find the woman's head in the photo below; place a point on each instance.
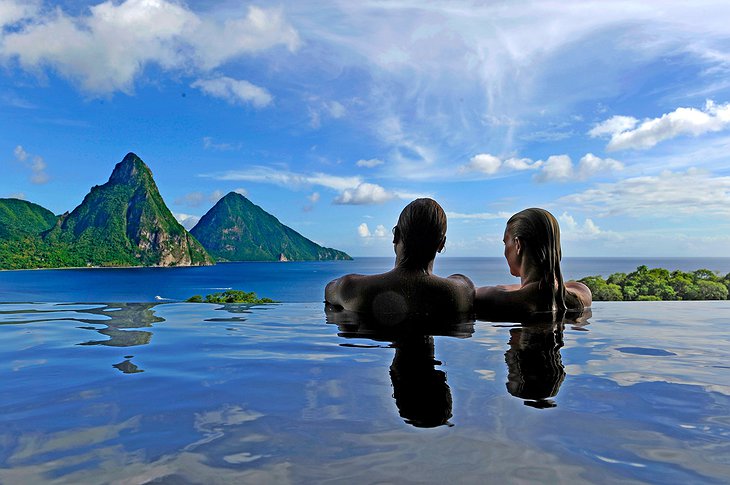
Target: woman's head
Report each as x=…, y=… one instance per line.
x=535, y=234
x=421, y=229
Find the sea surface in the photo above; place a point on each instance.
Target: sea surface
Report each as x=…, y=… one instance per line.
x=100, y=382
x=285, y=282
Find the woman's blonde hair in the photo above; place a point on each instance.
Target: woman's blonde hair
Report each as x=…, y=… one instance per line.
x=540, y=235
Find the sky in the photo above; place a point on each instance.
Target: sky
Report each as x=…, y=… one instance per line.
x=333, y=115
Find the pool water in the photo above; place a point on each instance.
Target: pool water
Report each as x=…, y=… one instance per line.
x=199, y=393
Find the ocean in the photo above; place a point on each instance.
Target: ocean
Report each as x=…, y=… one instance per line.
x=106, y=378
x=285, y=282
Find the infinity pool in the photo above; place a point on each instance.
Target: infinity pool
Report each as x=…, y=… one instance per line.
x=200, y=393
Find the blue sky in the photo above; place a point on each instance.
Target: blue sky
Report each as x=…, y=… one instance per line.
x=332, y=115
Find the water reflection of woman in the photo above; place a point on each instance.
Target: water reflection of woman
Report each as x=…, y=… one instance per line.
x=535, y=368
x=533, y=253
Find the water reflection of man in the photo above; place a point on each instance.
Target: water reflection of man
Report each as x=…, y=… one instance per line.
x=420, y=390
x=535, y=368
x=421, y=393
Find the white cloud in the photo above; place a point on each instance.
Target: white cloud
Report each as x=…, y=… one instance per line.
x=682, y=121
x=591, y=165
x=556, y=168
x=570, y=229
x=313, y=197
x=560, y=168
x=241, y=191
x=363, y=230
x=215, y=196
x=196, y=199
x=613, y=125
x=35, y=163
x=210, y=144
x=188, y=221
x=490, y=164
x=365, y=193
x=12, y=11
x=332, y=109
x=106, y=49
x=693, y=192
x=17, y=195
x=373, y=162
x=479, y=215
x=352, y=190
x=234, y=91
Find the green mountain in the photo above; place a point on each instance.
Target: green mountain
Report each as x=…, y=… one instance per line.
x=124, y=222
x=19, y=218
x=235, y=229
x=21, y=223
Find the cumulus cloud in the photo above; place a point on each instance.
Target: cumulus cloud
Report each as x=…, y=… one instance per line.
x=373, y=162
x=693, y=192
x=313, y=197
x=365, y=193
x=353, y=190
x=35, y=163
x=625, y=134
x=234, y=91
x=364, y=231
x=241, y=191
x=558, y=168
x=106, y=49
x=571, y=229
x=188, y=221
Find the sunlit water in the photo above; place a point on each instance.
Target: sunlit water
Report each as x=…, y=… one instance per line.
x=200, y=393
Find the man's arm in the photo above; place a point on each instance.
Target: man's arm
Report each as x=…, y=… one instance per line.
x=342, y=292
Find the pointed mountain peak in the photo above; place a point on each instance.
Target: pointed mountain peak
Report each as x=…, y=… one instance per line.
x=130, y=170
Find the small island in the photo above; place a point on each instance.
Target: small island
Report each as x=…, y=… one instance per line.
x=659, y=284
x=231, y=296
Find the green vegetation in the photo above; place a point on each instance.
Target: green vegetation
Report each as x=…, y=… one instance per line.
x=235, y=229
x=124, y=222
x=656, y=284
x=231, y=296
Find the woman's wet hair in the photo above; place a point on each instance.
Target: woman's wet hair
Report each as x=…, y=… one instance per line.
x=539, y=232
x=422, y=229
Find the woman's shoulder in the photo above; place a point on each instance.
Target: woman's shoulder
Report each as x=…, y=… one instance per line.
x=505, y=298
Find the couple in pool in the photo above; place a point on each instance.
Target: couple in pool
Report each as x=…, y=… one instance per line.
x=532, y=250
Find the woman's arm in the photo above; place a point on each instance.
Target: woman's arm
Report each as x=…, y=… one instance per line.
x=504, y=298
x=581, y=292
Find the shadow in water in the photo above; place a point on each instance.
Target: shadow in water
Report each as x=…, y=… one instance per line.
x=420, y=390
x=535, y=369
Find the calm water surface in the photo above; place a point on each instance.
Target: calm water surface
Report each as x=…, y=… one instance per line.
x=286, y=282
x=200, y=393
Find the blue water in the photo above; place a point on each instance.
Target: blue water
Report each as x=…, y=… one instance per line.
x=639, y=392
x=146, y=391
x=286, y=282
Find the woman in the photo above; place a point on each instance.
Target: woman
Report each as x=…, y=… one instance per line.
x=532, y=250
x=410, y=287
